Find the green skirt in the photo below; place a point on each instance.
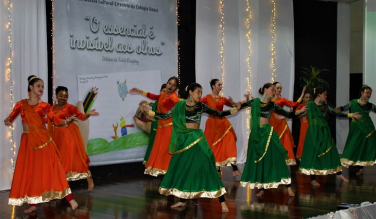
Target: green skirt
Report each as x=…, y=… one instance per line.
x=360, y=150
x=153, y=131
x=271, y=170
x=312, y=164
x=192, y=173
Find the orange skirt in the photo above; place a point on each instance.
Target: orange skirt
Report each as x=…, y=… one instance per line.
x=303, y=131
x=159, y=158
x=221, y=138
x=285, y=136
x=72, y=152
x=38, y=175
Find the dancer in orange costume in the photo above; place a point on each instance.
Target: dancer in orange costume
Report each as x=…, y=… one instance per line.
x=219, y=133
x=303, y=125
x=159, y=158
x=38, y=175
x=280, y=125
x=69, y=141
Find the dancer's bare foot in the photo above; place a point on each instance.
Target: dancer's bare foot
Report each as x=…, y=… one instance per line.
x=360, y=172
x=178, y=204
x=343, y=178
x=224, y=207
x=90, y=183
x=260, y=193
x=315, y=183
x=73, y=204
x=236, y=173
x=291, y=193
x=30, y=209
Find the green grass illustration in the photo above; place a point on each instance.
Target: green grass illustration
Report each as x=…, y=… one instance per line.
x=100, y=145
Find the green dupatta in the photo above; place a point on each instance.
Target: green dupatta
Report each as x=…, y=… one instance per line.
x=183, y=138
x=260, y=138
x=319, y=129
x=364, y=124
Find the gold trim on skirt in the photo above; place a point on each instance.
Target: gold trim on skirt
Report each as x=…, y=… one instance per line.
x=231, y=160
x=46, y=197
x=290, y=161
x=271, y=185
x=222, y=136
x=192, y=195
x=73, y=176
x=320, y=172
x=346, y=163
x=154, y=171
x=42, y=146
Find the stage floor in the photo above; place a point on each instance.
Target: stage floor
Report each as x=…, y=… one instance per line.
x=134, y=195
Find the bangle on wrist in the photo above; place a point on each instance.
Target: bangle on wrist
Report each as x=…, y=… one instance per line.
x=151, y=113
x=350, y=115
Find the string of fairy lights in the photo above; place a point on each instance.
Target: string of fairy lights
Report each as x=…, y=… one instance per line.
x=222, y=26
x=53, y=50
x=274, y=38
x=10, y=79
x=248, y=59
x=178, y=42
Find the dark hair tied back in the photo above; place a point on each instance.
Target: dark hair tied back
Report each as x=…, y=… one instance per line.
x=176, y=80
x=318, y=90
x=266, y=86
x=192, y=87
x=213, y=81
x=32, y=79
x=364, y=88
x=61, y=88
x=163, y=87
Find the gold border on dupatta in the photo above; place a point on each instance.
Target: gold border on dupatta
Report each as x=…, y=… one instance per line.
x=42, y=146
x=370, y=133
x=267, y=145
x=231, y=160
x=162, y=126
x=271, y=185
x=346, y=163
x=45, y=197
x=192, y=195
x=74, y=176
x=320, y=172
x=222, y=136
x=283, y=132
x=189, y=146
x=154, y=171
x=330, y=148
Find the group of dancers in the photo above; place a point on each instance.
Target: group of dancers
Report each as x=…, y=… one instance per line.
x=191, y=159
x=48, y=158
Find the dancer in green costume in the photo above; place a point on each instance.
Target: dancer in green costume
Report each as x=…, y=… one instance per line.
x=153, y=126
x=191, y=173
x=360, y=147
x=320, y=155
x=266, y=166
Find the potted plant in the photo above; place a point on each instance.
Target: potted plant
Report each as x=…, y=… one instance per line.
x=312, y=78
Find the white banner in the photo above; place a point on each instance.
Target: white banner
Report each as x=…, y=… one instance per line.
x=107, y=47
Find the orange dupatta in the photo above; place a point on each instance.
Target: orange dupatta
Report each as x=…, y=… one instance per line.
x=218, y=127
x=38, y=134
